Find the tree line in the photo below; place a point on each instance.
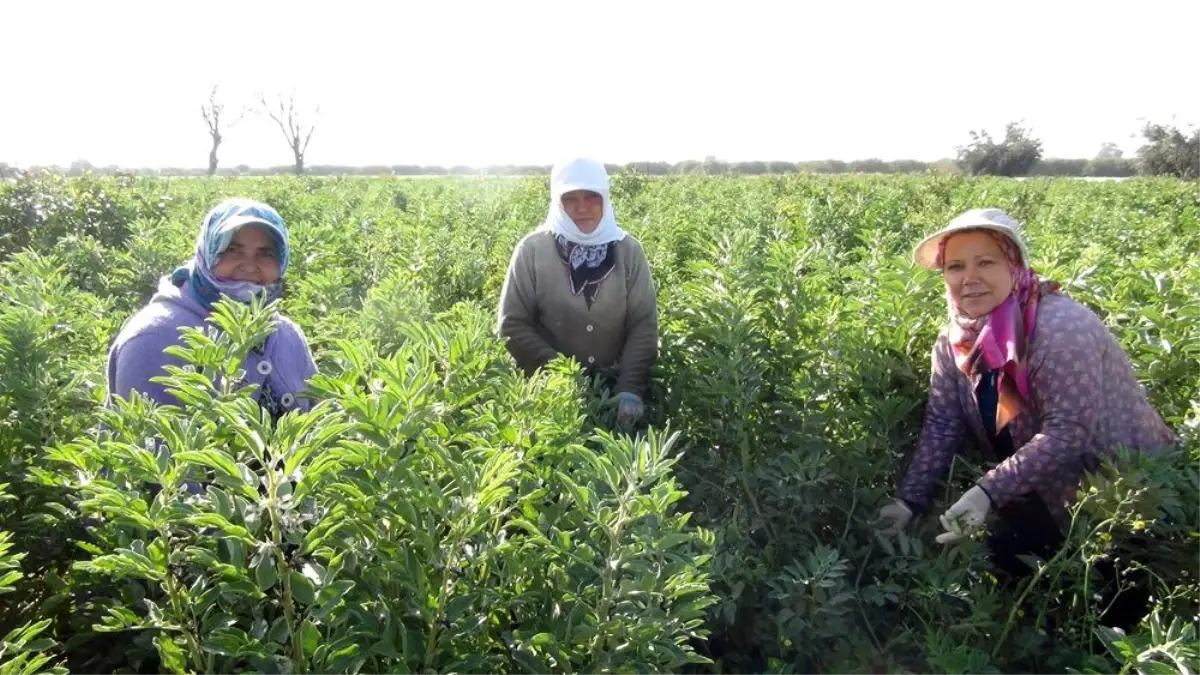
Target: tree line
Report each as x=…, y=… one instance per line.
x=1166, y=150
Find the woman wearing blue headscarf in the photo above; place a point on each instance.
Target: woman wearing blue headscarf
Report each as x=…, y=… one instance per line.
x=242, y=251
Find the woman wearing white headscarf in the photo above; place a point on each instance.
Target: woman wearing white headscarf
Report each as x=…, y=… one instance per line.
x=581, y=286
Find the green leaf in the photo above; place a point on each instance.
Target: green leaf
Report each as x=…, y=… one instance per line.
x=509, y=434
x=542, y=639
x=458, y=605
x=221, y=501
x=227, y=642
x=219, y=522
x=217, y=461
x=301, y=587
x=279, y=631
x=329, y=598
x=8, y=581
x=531, y=663
x=266, y=573
x=310, y=637
x=170, y=653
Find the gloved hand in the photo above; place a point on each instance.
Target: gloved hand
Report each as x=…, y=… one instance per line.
x=895, y=517
x=965, y=515
x=629, y=408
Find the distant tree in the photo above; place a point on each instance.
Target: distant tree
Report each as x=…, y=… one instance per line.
x=1116, y=167
x=1014, y=156
x=1169, y=152
x=292, y=125
x=212, y=112
x=748, y=168
x=1110, y=151
x=908, y=166
x=1054, y=166
x=649, y=168
x=872, y=165
x=825, y=166
x=5, y=170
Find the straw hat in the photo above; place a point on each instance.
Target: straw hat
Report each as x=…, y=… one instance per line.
x=925, y=254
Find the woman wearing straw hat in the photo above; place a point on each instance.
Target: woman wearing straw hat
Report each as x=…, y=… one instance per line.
x=1034, y=377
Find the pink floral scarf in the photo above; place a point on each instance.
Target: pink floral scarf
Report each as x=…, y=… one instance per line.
x=1000, y=339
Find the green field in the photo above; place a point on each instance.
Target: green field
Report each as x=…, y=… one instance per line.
x=453, y=516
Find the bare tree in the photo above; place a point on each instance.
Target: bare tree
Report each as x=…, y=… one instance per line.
x=292, y=126
x=212, y=112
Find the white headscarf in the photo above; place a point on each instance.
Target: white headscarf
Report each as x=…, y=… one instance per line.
x=581, y=174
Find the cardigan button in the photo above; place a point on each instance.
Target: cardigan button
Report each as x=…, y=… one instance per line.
x=589, y=328
x=264, y=367
x=591, y=359
x=287, y=400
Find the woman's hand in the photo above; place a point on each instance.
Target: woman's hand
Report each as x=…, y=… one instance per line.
x=629, y=409
x=894, y=518
x=965, y=515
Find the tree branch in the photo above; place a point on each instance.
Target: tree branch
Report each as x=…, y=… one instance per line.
x=310, y=132
x=278, y=119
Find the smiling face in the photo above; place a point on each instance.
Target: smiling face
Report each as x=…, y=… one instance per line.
x=251, y=256
x=976, y=272
x=584, y=207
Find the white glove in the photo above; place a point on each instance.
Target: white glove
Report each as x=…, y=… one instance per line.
x=895, y=516
x=629, y=408
x=965, y=515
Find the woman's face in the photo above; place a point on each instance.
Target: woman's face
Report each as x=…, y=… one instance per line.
x=976, y=272
x=249, y=257
x=585, y=207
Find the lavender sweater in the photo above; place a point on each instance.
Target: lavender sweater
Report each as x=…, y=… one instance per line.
x=1085, y=401
x=137, y=355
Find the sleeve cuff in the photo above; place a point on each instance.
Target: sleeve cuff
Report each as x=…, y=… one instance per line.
x=988, y=489
x=912, y=506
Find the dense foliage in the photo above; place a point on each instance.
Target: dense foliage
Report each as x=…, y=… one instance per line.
x=438, y=512
x=1170, y=151
x=1015, y=155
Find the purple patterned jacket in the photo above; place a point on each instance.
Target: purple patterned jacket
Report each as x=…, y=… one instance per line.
x=1084, y=402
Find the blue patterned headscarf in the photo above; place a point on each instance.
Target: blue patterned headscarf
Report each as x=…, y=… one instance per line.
x=216, y=232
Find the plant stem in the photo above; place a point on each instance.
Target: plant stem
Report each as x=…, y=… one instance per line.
x=857, y=584
x=850, y=514
x=289, y=608
x=744, y=475
x=1037, y=575
x=181, y=606
x=436, y=624
x=609, y=571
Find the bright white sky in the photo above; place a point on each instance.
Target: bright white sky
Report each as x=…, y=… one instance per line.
x=453, y=82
